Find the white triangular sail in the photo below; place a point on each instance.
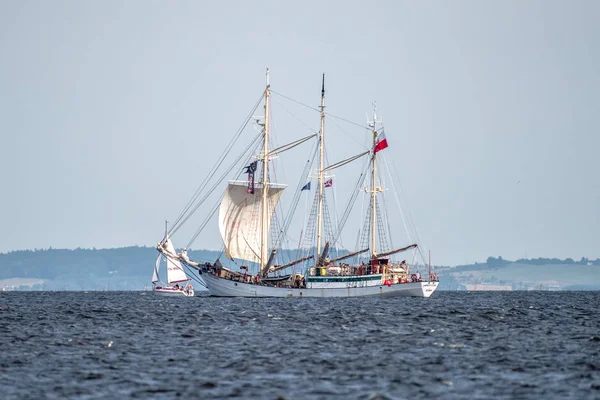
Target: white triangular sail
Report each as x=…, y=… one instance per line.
x=155, y=274
x=175, y=272
x=240, y=219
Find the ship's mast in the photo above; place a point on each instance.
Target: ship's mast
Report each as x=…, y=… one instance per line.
x=373, y=186
x=320, y=176
x=264, y=256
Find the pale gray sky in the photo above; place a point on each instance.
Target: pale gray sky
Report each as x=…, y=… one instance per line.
x=491, y=108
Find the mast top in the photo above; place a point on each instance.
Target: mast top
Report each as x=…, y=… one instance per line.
x=374, y=115
x=323, y=87
x=268, y=84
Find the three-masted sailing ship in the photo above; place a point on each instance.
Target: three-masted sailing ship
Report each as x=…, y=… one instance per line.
x=245, y=215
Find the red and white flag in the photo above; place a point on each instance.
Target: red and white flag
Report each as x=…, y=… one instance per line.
x=381, y=142
x=328, y=183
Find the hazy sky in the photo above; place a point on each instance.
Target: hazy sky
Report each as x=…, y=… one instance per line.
x=111, y=111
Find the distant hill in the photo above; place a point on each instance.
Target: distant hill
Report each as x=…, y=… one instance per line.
x=523, y=274
x=130, y=268
x=125, y=268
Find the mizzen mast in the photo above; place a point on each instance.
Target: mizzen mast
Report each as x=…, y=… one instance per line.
x=374, y=188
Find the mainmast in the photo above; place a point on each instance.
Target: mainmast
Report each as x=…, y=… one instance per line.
x=374, y=185
x=264, y=250
x=320, y=177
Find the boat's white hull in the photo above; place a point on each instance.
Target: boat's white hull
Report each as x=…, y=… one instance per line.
x=172, y=292
x=229, y=288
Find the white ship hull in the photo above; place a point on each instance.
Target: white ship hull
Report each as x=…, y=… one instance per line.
x=229, y=288
x=172, y=292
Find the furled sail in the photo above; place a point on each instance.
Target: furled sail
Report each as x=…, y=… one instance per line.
x=240, y=219
x=389, y=253
x=175, y=272
x=155, y=274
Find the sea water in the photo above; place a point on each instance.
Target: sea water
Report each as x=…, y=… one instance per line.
x=97, y=345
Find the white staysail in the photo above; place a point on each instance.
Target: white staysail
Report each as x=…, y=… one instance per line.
x=175, y=272
x=155, y=274
x=240, y=220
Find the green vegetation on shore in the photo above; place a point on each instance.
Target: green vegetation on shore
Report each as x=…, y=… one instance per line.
x=522, y=274
x=130, y=268
x=124, y=268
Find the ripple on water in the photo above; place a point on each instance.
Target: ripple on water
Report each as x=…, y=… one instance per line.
x=453, y=345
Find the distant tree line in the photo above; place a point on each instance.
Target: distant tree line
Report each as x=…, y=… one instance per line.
x=499, y=262
x=85, y=263
x=548, y=261
x=92, y=265
x=137, y=261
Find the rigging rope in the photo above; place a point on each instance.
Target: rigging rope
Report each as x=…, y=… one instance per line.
x=345, y=120
x=204, y=223
x=385, y=209
x=366, y=147
x=318, y=110
x=218, y=181
x=178, y=222
x=296, y=101
x=293, y=115
x=360, y=181
x=404, y=219
x=297, y=194
x=193, y=277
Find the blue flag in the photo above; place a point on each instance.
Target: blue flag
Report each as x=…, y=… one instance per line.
x=306, y=187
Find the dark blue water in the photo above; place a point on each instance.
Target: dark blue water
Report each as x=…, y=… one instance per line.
x=96, y=345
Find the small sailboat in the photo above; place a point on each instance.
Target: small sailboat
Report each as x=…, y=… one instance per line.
x=246, y=214
x=178, y=283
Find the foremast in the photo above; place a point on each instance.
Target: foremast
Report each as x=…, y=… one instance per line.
x=264, y=239
x=320, y=174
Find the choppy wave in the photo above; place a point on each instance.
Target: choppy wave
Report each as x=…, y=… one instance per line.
x=92, y=345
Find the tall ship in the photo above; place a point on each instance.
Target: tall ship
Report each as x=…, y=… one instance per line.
x=255, y=264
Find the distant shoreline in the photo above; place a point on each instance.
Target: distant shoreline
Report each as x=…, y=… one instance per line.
x=130, y=268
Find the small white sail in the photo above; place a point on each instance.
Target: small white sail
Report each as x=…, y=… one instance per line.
x=175, y=272
x=239, y=220
x=155, y=274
